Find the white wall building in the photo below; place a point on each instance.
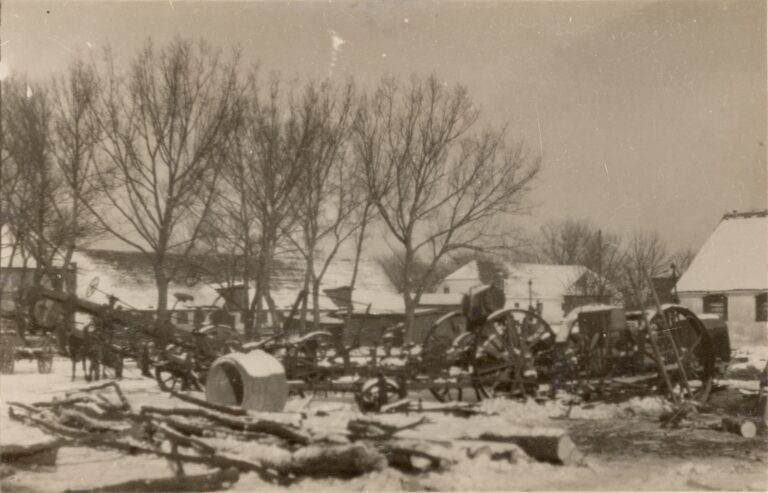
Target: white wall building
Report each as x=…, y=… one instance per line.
x=729, y=276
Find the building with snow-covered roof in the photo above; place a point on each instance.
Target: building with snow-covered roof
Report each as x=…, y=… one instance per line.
x=551, y=289
x=729, y=276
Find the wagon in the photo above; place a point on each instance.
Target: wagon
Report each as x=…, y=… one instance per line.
x=483, y=350
x=16, y=346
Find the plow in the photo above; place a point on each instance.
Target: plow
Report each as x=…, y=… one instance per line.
x=482, y=351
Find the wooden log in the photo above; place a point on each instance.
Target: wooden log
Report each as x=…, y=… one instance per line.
x=103, y=386
x=556, y=449
x=414, y=456
x=373, y=429
x=283, y=431
x=342, y=461
x=396, y=407
x=740, y=426
x=56, y=428
x=216, y=481
x=38, y=454
x=75, y=419
x=183, y=440
x=235, y=411
x=194, y=430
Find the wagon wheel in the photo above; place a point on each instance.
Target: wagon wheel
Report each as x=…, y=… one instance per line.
x=172, y=380
x=307, y=354
x=436, y=355
x=375, y=393
x=693, y=344
x=442, y=351
x=515, y=353
x=220, y=339
x=167, y=379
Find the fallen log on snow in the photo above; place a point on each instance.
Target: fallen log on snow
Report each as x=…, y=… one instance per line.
x=216, y=481
x=337, y=461
x=548, y=445
x=235, y=411
x=37, y=454
x=740, y=426
x=280, y=430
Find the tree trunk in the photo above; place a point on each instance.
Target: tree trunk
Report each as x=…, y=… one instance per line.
x=316, y=303
x=162, y=281
x=247, y=311
x=407, y=294
x=410, y=318
x=217, y=481
x=304, y=302
x=356, y=266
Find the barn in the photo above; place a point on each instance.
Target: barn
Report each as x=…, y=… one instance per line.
x=729, y=276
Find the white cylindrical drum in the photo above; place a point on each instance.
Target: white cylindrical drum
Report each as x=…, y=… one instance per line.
x=253, y=380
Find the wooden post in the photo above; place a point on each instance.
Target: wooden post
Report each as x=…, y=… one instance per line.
x=652, y=339
x=671, y=338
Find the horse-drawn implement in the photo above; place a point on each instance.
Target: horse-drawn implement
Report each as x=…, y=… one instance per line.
x=177, y=358
x=486, y=350
x=16, y=345
x=482, y=351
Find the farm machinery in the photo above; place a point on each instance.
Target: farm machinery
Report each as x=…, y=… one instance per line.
x=177, y=358
x=483, y=350
x=486, y=350
x=16, y=345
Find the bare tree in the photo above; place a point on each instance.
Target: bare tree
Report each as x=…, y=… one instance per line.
x=579, y=242
x=165, y=126
x=363, y=217
x=437, y=187
x=393, y=266
x=682, y=259
x=32, y=194
x=75, y=135
x=270, y=157
x=647, y=255
x=565, y=242
x=327, y=198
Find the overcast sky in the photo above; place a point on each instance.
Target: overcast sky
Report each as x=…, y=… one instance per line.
x=652, y=115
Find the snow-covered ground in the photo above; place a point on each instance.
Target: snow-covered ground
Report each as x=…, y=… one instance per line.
x=608, y=467
x=748, y=360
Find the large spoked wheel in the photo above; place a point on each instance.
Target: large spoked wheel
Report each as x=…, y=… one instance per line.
x=169, y=379
x=515, y=353
x=686, y=333
x=445, y=352
x=377, y=393
x=220, y=339
x=436, y=354
x=305, y=358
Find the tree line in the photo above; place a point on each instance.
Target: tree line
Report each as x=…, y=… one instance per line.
x=185, y=150
x=617, y=262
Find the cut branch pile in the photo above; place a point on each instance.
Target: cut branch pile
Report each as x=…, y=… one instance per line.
x=279, y=448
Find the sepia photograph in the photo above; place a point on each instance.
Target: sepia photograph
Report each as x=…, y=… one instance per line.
x=371, y=245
